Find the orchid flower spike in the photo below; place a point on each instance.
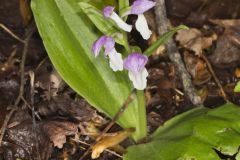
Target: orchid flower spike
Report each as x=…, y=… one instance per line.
x=138, y=8
x=108, y=12
x=115, y=58
x=135, y=64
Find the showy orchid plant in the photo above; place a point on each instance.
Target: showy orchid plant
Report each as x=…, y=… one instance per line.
x=134, y=62
x=83, y=42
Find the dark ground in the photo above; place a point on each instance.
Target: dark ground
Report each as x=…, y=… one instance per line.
x=60, y=111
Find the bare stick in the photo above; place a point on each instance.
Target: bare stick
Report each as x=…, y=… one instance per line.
x=174, y=55
x=215, y=78
x=21, y=90
x=115, y=118
x=28, y=105
x=4, y=126
x=107, y=150
x=35, y=128
x=11, y=33
x=119, y=113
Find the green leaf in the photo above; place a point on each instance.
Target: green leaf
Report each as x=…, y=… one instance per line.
x=163, y=39
x=123, y=5
x=193, y=135
x=100, y=3
x=237, y=87
x=68, y=37
x=106, y=26
x=96, y=16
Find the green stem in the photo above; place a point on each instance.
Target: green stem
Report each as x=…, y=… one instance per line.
x=126, y=44
x=142, y=121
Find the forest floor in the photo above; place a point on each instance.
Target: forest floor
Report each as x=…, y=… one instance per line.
x=210, y=50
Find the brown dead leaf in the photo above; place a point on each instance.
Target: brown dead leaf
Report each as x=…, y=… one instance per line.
x=197, y=68
x=25, y=10
x=237, y=72
x=48, y=79
x=226, y=23
x=58, y=130
x=62, y=106
x=19, y=139
x=227, y=50
x=197, y=13
x=194, y=40
x=110, y=141
x=203, y=93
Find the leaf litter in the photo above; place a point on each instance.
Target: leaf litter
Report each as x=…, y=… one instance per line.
x=214, y=33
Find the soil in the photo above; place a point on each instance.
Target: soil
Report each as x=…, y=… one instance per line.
x=61, y=114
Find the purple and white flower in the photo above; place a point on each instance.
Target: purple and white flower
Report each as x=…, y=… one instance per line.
x=108, y=12
x=137, y=72
x=138, y=8
x=115, y=58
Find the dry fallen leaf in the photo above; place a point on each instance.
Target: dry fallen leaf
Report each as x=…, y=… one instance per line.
x=194, y=40
x=25, y=10
x=110, y=141
x=237, y=72
x=58, y=130
x=79, y=110
x=20, y=141
x=227, y=50
x=197, y=68
x=48, y=79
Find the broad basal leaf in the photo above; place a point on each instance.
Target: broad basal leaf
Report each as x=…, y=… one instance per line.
x=106, y=26
x=194, y=135
x=96, y=16
x=68, y=36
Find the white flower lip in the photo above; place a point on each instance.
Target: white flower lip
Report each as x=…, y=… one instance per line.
x=115, y=60
x=108, y=12
x=142, y=27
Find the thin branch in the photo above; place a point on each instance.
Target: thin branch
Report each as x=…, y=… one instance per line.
x=119, y=113
x=4, y=126
x=114, y=119
x=215, y=78
x=21, y=89
x=28, y=105
x=11, y=33
x=107, y=150
x=35, y=128
x=174, y=55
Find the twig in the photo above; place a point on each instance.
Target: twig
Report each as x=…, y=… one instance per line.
x=174, y=55
x=35, y=128
x=114, y=153
x=10, y=61
x=28, y=105
x=114, y=119
x=4, y=126
x=119, y=113
x=107, y=150
x=22, y=65
x=21, y=89
x=215, y=78
x=11, y=33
